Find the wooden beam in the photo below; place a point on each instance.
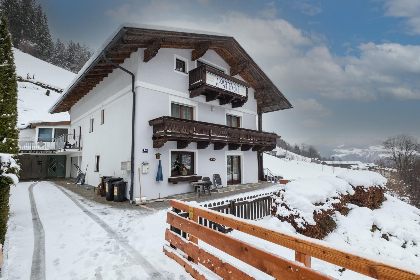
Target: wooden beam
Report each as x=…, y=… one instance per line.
x=196, y=92
x=158, y=143
x=199, y=51
x=349, y=261
x=182, y=144
x=257, y=148
x=246, y=147
x=262, y=260
x=219, y=267
x=238, y=103
x=202, y=144
x=233, y=146
x=189, y=267
x=219, y=145
x=305, y=259
x=212, y=96
x=152, y=50
x=239, y=68
x=225, y=99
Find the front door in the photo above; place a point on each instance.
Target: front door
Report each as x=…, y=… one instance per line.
x=233, y=170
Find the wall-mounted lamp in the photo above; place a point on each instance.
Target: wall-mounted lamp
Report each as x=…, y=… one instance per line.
x=212, y=108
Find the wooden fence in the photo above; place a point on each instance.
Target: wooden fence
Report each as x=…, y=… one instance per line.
x=186, y=230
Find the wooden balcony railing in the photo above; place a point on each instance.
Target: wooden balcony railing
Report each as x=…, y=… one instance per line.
x=205, y=80
x=187, y=131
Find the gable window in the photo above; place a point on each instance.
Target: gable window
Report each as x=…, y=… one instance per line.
x=91, y=125
x=180, y=65
x=45, y=134
x=97, y=163
x=102, y=116
x=233, y=121
x=182, y=111
x=182, y=163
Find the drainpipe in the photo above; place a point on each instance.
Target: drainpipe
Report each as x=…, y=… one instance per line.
x=133, y=116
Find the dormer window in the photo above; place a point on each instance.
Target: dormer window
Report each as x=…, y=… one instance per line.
x=180, y=65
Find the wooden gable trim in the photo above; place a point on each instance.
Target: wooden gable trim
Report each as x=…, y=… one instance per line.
x=199, y=51
x=152, y=50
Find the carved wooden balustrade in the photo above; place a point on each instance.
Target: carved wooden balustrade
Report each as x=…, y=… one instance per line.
x=215, y=84
x=203, y=133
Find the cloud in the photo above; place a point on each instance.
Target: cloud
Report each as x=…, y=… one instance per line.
x=269, y=12
x=308, y=9
x=408, y=9
x=155, y=10
x=312, y=107
x=311, y=123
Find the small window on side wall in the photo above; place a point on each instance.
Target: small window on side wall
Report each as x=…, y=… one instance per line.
x=102, y=116
x=180, y=65
x=97, y=163
x=91, y=125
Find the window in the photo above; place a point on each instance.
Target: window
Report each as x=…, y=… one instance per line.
x=181, y=160
x=180, y=65
x=97, y=163
x=60, y=131
x=74, y=134
x=45, y=134
x=91, y=125
x=199, y=63
x=182, y=111
x=102, y=116
x=233, y=121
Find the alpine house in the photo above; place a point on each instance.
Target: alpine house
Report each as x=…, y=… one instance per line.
x=188, y=100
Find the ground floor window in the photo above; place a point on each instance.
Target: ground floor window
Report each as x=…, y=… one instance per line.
x=97, y=163
x=182, y=163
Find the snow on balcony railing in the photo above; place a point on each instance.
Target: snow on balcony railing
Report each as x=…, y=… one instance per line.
x=66, y=141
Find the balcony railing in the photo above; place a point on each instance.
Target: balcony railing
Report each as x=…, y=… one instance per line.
x=63, y=142
x=214, y=84
x=187, y=131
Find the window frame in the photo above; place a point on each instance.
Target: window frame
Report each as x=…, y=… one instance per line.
x=185, y=60
x=181, y=110
x=234, y=116
x=192, y=169
x=97, y=161
x=102, y=116
x=91, y=122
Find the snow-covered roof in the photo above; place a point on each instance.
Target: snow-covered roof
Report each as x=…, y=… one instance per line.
x=141, y=36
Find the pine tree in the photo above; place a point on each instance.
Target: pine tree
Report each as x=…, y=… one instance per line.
x=11, y=9
x=8, y=93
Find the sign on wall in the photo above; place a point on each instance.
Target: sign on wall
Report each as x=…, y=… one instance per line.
x=225, y=84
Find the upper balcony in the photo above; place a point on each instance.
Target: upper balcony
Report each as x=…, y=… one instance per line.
x=186, y=131
x=214, y=84
x=50, y=145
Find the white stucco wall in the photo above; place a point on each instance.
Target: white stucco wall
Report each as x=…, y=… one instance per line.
x=157, y=86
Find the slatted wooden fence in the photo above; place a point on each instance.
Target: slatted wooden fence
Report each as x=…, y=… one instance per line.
x=186, y=230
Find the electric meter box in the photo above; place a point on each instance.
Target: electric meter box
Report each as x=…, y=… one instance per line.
x=145, y=167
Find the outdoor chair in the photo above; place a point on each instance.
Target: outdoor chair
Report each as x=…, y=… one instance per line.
x=217, y=181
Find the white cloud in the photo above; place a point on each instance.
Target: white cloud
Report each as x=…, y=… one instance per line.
x=408, y=9
x=270, y=11
x=308, y=9
x=310, y=123
x=312, y=107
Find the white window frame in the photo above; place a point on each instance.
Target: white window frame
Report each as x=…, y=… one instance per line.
x=91, y=123
x=183, y=150
x=236, y=114
x=183, y=101
x=186, y=64
x=211, y=64
x=102, y=116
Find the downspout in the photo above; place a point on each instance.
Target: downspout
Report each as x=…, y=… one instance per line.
x=133, y=116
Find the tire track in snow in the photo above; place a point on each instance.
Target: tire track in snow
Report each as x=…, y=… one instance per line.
x=38, y=257
x=153, y=273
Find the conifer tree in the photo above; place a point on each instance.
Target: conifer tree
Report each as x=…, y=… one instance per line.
x=8, y=93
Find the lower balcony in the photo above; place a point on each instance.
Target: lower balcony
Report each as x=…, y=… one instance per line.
x=186, y=131
x=50, y=145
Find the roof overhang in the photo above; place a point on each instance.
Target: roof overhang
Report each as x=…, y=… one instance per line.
x=130, y=37
x=34, y=125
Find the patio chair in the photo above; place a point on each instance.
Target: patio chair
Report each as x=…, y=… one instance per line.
x=207, y=187
x=217, y=181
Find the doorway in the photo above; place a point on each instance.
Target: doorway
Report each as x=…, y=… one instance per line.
x=233, y=170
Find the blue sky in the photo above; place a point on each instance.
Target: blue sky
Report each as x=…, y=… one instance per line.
x=350, y=68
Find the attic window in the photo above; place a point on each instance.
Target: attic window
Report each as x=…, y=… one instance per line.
x=180, y=65
x=91, y=125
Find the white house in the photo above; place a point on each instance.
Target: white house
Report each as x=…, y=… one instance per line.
x=198, y=102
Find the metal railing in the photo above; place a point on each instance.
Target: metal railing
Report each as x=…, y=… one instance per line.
x=63, y=142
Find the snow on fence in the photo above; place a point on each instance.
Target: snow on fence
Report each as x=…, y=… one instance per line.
x=185, y=230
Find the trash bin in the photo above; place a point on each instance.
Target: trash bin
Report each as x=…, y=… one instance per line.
x=102, y=189
x=119, y=191
x=109, y=188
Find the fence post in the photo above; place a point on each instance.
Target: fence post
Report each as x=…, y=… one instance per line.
x=305, y=259
x=232, y=208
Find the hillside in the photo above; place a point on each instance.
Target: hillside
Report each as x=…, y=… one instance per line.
x=35, y=78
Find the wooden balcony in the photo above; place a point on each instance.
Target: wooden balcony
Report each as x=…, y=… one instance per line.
x=187, y=131
x=214, y=84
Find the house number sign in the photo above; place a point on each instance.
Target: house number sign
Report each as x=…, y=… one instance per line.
x=212, y=159
x=225, y=84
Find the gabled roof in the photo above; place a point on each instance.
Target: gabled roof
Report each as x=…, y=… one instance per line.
x=130, y=37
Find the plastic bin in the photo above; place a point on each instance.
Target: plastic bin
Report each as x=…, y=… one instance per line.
x=119, y=191
x=109, y=188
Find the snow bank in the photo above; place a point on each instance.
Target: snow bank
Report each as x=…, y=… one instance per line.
x=7, y=162
x=363, y=179
x=41, y=71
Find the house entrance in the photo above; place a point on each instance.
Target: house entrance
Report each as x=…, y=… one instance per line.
x=233, y=170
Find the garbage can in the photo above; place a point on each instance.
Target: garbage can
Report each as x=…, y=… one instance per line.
x=109, y=188
x=119, y=191
x=102, y=189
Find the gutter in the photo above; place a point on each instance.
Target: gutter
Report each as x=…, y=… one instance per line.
x=133, y=116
